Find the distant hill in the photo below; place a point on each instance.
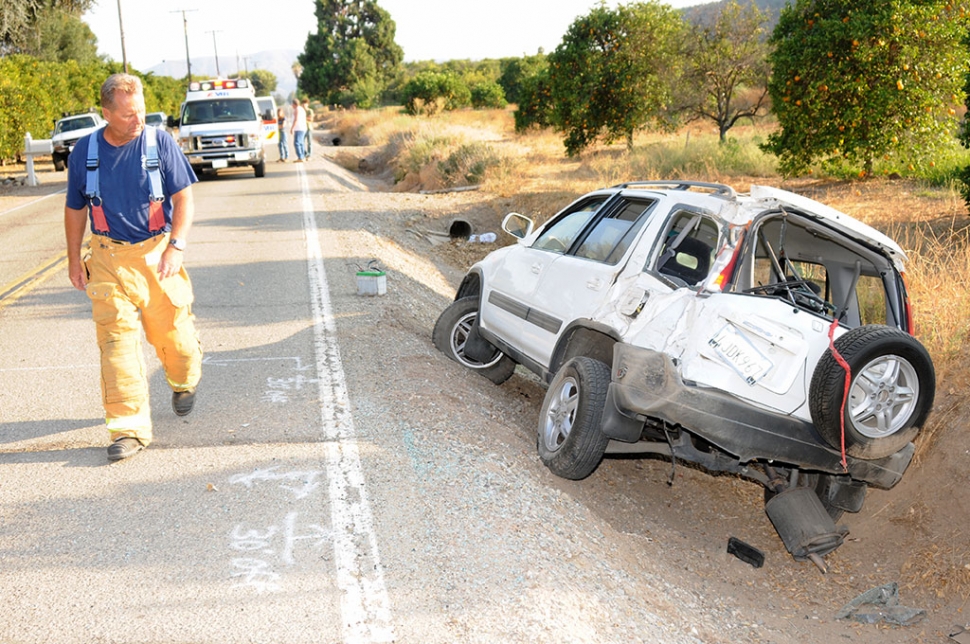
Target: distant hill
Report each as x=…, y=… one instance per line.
x=704, y=14
x=277, y=61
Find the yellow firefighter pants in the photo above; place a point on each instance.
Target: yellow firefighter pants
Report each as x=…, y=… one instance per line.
x=125, y=290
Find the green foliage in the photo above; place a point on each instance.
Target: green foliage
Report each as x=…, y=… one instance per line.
x=60, y=36
x=516, y=71
x=611, y=74
x=726, y=68
x=35, y=93
x=535, y=106
x=19, y=20
x=432, y=91
x=352, y=57
x=859, y=80
x=486, y=94
x=263, y=81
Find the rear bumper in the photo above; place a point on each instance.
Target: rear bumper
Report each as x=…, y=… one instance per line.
x=646, y=384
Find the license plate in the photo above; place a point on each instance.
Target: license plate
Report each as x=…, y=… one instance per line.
x=242, y=156
x=220, y=163
x=739, y=354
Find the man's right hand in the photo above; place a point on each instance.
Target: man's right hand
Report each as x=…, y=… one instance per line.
x=78, y=275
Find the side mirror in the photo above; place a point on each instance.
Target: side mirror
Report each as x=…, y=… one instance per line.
x=172, y=121
x=517, y=225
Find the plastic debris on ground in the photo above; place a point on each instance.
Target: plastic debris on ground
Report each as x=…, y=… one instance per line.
x=881, y=604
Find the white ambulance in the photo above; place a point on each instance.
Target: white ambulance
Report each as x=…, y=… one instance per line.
x=220, y=126
x=267, y=110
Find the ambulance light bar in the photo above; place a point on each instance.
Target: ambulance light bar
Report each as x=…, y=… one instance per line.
x=209, y=85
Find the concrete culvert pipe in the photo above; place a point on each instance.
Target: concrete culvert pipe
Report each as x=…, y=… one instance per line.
x=460, y=229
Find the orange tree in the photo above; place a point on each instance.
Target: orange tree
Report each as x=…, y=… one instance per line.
x=857, y=80
x=612, y=73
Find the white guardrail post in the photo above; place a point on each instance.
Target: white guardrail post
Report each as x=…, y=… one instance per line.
x=32, y=148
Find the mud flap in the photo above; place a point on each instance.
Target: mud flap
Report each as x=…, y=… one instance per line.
x=478, y=348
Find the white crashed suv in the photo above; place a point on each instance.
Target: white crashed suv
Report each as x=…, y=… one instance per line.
x=684, y=319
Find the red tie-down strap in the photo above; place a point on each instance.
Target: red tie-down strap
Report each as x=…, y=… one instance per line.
x=848, y=383
x=156, y=216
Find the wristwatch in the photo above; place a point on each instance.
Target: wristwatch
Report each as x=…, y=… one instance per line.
x=179, y=244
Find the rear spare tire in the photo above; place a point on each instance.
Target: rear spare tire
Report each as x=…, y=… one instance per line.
x=891, y=391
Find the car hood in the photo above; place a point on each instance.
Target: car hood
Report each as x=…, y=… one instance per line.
x=852, y=228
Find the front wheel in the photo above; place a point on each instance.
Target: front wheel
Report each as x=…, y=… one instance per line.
x=59, y=163
x=570, y=441
x=891, y=390
x=451, y=333
x=260, y=169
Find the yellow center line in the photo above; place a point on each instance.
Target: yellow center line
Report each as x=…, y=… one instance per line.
x=32, y=279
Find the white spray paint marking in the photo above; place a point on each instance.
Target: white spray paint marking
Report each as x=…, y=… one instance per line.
x=365, y=606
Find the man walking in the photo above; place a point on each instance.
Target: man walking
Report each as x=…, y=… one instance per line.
x=135, y=187
x=299, y=129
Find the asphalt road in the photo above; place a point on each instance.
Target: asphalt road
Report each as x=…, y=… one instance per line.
x=250, y=520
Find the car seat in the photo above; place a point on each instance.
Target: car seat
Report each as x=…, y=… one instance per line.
x=691, y=261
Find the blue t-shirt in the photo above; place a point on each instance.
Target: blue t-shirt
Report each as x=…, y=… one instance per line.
x=124, y=185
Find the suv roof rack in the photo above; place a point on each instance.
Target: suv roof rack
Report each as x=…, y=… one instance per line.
x=716, y=188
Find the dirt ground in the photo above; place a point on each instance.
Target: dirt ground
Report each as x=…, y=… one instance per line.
x=917, y=535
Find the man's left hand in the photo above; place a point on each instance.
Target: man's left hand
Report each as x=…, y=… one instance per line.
x=170, y=263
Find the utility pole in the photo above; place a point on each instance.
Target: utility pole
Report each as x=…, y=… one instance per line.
x=185, y=28
x=214, y=47
x=121, y=27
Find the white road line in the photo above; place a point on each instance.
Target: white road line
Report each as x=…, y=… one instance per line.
x=365, y=606
x=31, y=203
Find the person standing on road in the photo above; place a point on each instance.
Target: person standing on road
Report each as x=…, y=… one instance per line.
x=308, y=142
x=280, y=128
x=136, y=189
x=298, y=129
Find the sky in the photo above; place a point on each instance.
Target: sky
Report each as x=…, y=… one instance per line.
x=154, y=30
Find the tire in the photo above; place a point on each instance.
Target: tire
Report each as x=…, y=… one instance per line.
x=260, y=169
x=820, y=483
x=449, y=335
x=59, y=163
x=570, y=442
x=893, y=384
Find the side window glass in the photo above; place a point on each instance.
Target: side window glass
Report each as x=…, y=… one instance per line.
x=561, y=234
x=612, y=235
x=688, y=248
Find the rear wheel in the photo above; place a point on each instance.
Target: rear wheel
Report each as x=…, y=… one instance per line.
x=891, y=391
x=451, y=333
x=570, y=441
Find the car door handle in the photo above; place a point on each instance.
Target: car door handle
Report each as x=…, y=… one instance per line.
x=594, y=284
x=537, y=268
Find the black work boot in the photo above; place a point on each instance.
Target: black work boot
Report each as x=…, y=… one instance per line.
x=124, y=447
x=182, y=401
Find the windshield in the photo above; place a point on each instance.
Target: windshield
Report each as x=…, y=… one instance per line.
x=154, y=119
x=74, y=124
x=219, y=111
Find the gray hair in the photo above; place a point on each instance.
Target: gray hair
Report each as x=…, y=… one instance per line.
x=125, y=83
